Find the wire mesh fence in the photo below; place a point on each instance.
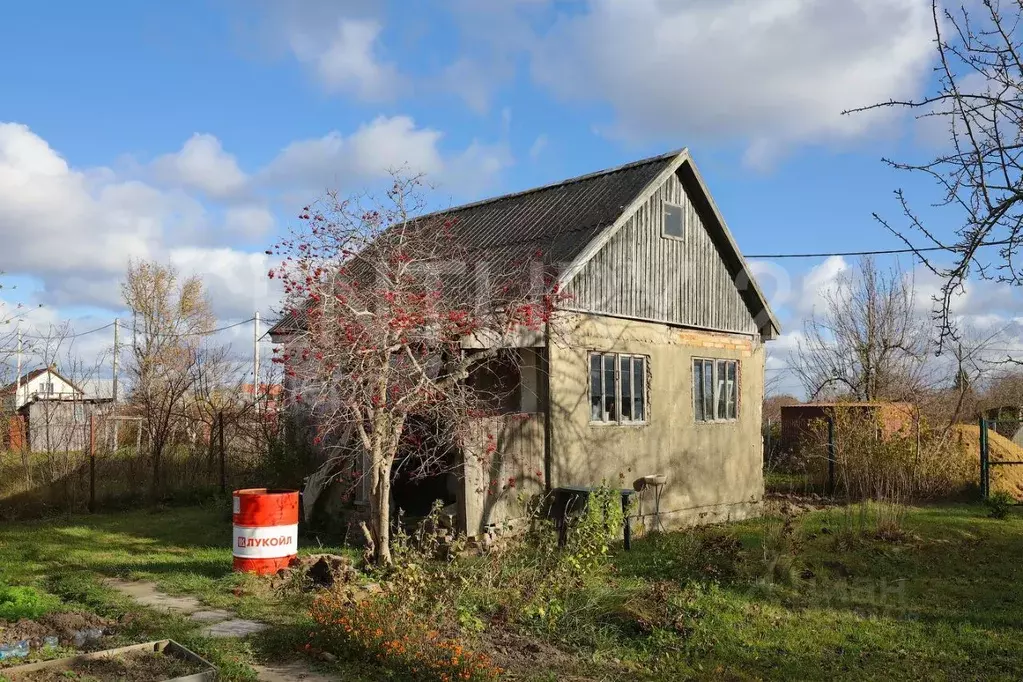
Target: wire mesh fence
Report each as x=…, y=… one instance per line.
x=99, y=462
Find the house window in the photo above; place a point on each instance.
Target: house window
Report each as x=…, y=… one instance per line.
x=617, y=388
x=674, y=225
x=715, y=390
x=48, y=388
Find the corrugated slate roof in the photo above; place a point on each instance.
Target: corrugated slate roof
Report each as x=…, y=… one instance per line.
x=563, y=216
x=558, y=220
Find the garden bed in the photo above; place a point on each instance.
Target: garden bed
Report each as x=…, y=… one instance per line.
x=163, y=661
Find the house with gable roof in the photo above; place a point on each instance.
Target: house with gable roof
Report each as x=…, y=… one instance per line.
x=655, y=379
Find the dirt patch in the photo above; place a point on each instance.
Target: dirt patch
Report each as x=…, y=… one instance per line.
x=524, y=655
x=790, y=504
x=137, y=666
x=72, y=629
x=317, y=571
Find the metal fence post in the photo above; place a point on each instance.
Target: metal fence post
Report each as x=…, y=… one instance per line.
x=831, y=455
x=985, y=466
x=92, y=463
x=223, y=453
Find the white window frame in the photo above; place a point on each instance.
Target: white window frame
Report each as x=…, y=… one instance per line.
x=664, y=221
x=731, y=389
x=618, y=420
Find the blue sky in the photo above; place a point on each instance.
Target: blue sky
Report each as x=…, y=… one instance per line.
x=192, y=131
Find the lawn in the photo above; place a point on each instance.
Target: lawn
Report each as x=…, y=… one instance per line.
x=183, y=550
x=934, y=596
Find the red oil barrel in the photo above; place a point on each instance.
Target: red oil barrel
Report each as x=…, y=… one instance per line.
x=265, y=530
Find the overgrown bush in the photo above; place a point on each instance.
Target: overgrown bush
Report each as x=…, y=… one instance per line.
x=999, y=504
x=695, y=555
x=385, y=628
x=873, y=463
x=24, y=602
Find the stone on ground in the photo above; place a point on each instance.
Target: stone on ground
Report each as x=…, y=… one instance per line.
x=237, y=627
x=147, y=594
x=286, y=672
x=211, y=616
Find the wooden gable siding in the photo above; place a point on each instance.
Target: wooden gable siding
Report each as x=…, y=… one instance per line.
x=640, y=274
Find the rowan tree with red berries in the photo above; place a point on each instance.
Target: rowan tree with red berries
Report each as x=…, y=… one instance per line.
x=388, y=313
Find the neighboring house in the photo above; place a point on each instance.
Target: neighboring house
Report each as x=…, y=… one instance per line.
x=657, y=364
x=59, y=425
x=50, y=413
x=45, y=382
x=801, y=424
x=268, y=396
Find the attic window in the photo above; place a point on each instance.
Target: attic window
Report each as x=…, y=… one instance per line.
x=674, y=222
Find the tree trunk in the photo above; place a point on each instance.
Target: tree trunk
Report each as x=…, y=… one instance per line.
x=380, y=520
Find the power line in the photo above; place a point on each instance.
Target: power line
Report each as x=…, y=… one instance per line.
x=206, y=333
x=69, y=336
x=883, y=252
x=160, y=335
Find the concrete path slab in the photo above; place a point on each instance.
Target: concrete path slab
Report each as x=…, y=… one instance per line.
x=211, y=616
x=148, y=594
x=237, y=627
x=286, y=672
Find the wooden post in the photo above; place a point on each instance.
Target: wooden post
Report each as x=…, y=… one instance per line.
x=985, y=467
x=92, y=463
x=223, y=453
x=831, y=455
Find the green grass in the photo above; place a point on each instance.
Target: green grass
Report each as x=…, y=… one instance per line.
x=822, y=600
x=184, y=551
x=940, y=604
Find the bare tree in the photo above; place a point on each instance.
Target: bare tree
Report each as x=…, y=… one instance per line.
x=979, y=95
x=10, y=315
x=867, y=343
x=391, y=317
x=171, y=318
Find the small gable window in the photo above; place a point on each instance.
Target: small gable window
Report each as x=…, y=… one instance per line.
x=674, y=223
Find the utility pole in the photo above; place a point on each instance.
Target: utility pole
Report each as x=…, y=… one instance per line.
x=113, y=416
x=114, y=362
x=17, y=381
x=255, y=356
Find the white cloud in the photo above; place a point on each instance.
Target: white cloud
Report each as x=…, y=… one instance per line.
x=332, y=161
x=347, y=60
x=249, y=220
x=75, y=230
x=473, y=170
x=202, y=164
x=773, y=73
x=470, y=80
x=539, y=144
x=818, y=284
x=54, y=219
x=237, y=282
x=306, y=168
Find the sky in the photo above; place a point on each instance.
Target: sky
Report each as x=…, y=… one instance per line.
x=192, y=132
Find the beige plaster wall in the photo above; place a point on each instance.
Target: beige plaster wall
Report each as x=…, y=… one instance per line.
x=714, y=470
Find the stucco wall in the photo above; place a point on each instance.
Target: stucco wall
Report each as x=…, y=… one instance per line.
x=714, y=470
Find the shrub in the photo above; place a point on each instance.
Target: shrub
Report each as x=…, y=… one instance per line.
x=385, y=629
x=695, y=555
x=872, y=464
x=998, y=504
x=24, y=602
